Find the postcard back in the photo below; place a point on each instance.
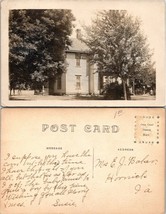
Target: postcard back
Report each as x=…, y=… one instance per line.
x=82, y=161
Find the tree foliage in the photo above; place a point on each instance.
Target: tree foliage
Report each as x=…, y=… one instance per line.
x=37, y=40
x=118, y=45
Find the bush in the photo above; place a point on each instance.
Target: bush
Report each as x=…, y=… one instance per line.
x=114, y=91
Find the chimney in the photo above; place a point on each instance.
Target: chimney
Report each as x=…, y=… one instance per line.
x=78, y=34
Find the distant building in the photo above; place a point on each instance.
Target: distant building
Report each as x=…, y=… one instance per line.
x=79, y=76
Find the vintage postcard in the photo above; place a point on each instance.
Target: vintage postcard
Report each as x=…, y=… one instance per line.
x=88, y=161
x=83, y=53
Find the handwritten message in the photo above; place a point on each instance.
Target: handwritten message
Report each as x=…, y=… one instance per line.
x=30, y=179
x=64, y=178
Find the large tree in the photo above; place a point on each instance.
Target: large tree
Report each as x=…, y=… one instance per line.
x=37, y=40
x=118, y=46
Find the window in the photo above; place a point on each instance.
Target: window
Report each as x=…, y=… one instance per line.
x=59, y=82
x=78, y=82
x=78, y=58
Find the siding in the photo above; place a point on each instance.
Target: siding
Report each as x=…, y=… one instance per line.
x=72, y=71
x=88, y=78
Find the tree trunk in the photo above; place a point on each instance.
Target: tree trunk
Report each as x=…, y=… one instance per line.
x=124, y=89
x=43, y=90
x=133, y=86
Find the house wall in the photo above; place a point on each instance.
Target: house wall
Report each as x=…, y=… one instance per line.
x=72, y=71
x=69, y=82
x=61, y=90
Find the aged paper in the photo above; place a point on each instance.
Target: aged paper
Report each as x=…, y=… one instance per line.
x=82, y=161
x=152, y=16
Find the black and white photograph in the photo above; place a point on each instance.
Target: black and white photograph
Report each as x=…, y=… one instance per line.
x=71, y=54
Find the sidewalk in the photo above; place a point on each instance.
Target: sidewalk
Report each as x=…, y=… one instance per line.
x=29, y=95
x=143, y=97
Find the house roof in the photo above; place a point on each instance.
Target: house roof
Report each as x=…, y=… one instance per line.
x=78, y=46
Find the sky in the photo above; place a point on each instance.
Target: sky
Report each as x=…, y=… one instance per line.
x=151, y=16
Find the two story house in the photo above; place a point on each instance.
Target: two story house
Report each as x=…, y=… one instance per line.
x=80, y=76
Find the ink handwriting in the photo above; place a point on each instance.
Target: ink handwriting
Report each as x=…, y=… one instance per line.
x=32, y=179
x=64, y=178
